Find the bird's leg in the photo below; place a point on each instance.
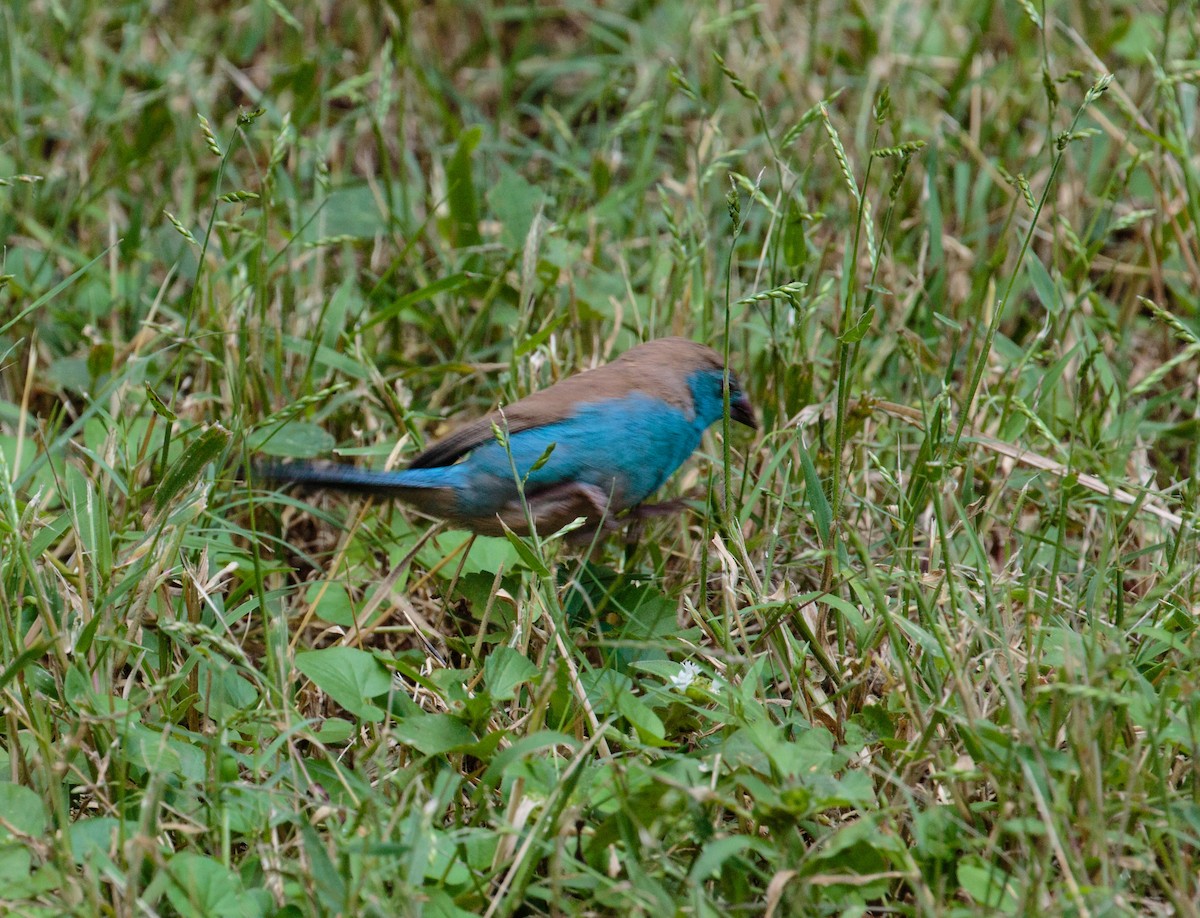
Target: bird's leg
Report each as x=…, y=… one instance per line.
x=638, y=515
x=666, y=508
x=554, y=507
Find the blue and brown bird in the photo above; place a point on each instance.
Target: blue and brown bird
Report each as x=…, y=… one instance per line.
x=614, y=434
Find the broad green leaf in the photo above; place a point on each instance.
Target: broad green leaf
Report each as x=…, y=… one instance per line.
x=331, y=602
x=988, y=885
x=89, y=513
x=532, y=342
x=202, y=887
x=352, y=210
x=25, y=658
x=157, y=752
x=445, y=862
x=292, y=440
x=460, y=193
x=15, y=864
x=158, y=405
x=525, y=552
x=99, y=837
x=859, y=329
x=333, y=731
x=818, y=503
x=440, y=904
x=487, y=554
x=514, y=201
x=719, y=850
x=1043, y=285
x=526, y=747
x=649, y=727
x=50, y=294
x=349, y=676
x=406, y=302
x=185, y=471
x=604, y=688
x=435, y=734
x=504, y=670
x=22, y=809
x=795, y=243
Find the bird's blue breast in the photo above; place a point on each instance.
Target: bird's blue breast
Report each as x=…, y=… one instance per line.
x=626, y=447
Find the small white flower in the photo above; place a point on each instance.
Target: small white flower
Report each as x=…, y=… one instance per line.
x=688, y=671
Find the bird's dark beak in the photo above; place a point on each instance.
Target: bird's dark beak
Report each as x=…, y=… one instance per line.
x=740, y=410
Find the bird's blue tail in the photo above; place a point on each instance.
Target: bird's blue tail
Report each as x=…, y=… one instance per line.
x=352, y=478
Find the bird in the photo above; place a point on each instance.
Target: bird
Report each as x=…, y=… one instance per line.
x=592, y=445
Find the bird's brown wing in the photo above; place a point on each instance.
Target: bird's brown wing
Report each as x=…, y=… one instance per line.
x=658, y=368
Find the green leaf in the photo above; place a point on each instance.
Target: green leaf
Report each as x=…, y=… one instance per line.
x=201, y=886
x=100, y=360
x=525, y=748
x=541, y=460
x=349, y=676
x=1140, y=38
x=26, y=657
x=461, y=194
x=988, y=885
x=334, y=731
x=69, y=373
x=818, y=503
x=719, y=850
x=326, y=881
x=858, y=330
x=525, y=552
x=649, y=727
x=15, y=864
x=292, y=440
x=50, y=294
x=604, y=689
x=514, y=201
x=159, y=406
x=795, y=244
x=487, y=554
x=530, y=343
x=409, y=300
x=49, y=534
x=1043, y=286
x=187, y=469
x=351, y=211
x=331, y=602
x=435, y=734
x=504, y=670
x=23, y=810
x=440, y=904
x=99, y=837
x=89, y=513
x=601, y=177
x=156, y=752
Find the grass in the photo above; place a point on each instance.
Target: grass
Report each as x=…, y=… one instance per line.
x=925, y=645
